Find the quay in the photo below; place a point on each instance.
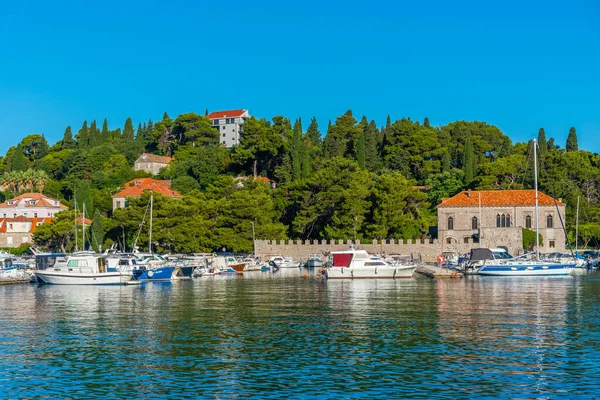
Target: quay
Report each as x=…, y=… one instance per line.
x=13, y=281
x=435, y=272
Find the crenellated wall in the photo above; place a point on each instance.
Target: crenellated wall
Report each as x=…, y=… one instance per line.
x=300, y=250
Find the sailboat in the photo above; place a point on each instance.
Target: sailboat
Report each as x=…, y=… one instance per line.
x=520, y=266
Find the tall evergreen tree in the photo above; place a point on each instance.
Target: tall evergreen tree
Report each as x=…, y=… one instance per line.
x=140, y=133
x=165, y=116
x=360, y=152
x=572, y=140
x=468, y=161
x=128, y=134
x=372, y=155
x=83, y=136
x=94, y=135
x=312, y=133
x=67, y=141
x=18, y=159
x=446, y=164
x=97, y=238
x=541, y=141
x=206, y=112
x=551, y=145
x=105, y=134
x=426, y=123
x=388, y=122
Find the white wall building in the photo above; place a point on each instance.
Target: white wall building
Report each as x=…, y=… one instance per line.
x=229, y=124
x=31, y=205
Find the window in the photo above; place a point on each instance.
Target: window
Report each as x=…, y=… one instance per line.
x=549, y=222
x=10, y=226
x=215, y=122
x=503, y=221
x=34, y=215
x=224, y=127
x=24, y=214
x=450, y=223
x=552, y=244
x=118, y=204
x=466, y=239
x=126, y=203
x=508, y=221
x=498, y=221
x=528, y=222
x=14, y=215
x=223, y=135
x=449, y=240
x=474, y=223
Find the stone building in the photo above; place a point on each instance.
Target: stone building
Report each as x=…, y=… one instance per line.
x=495, y=218
x=151, y=163
x=229, y=124
x=137, y=187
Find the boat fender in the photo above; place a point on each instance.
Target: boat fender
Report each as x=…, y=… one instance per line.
x=352, y=273
x=395, y=269
x=375, y=270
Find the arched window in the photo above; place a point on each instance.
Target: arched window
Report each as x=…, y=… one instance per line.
x=450, y=223
x=449, y=240
x=503, y=221
x=549, y=222
x=466, y=239
x=474, y=224
x=508, y=221
x=498, y=221
x=528, y=222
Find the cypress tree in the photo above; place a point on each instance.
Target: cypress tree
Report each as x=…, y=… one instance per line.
x=541, y=141
x=360, y=151
x=298, y=127
x=446, y=165
x=206, y=112
x=295, y=154
x=94, y=135
x=67, y=141
x=551, y=145
x=372, y=159
x=83, y=136
x=572, y=140
x=18, y=159
x=139, y=135
x=97, y=232
x=312, y=133
x=388, y=122
x=426, y=123
x=128, y=134
x=165, y=116
x=468, y=161
x=105, y=134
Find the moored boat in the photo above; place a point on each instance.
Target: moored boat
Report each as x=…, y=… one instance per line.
x=83, y=268
x=358, y=264
x=314, y=261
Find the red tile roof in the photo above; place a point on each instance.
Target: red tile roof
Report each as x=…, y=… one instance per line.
x=40, y=201
x=34, y=222
x=137, y=187
x=491, y=198
x=156, y=158
x=226, y=114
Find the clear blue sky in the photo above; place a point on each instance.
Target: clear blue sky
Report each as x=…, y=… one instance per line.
x=516, y=64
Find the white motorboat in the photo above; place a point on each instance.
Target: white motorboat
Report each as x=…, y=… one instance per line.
x=283, y=262
x=83, y=268
x=358, y=264
x=314, y=261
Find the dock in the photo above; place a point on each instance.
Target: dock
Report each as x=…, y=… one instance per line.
x=14, y=281
x=435, y=272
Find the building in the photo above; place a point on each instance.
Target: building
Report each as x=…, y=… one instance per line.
x=20, y=216
x=137, y=187
x=151, y=163
x=494, y=218
x=229, y=124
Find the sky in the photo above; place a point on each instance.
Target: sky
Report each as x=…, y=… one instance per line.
x=519, y=65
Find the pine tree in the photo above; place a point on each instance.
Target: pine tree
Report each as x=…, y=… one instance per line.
x=18, y=159
x=94, y=135
x=298, y=127
x=105, y=134
x=206, y=112
x=139, y=135
x=165, y=116
x=360, y=152
x=97, y=232
x=372, y=156
x=128, y=134
x=83, y=136
x=541, y=141
x=295, y=153
x=551, y=145
x=67, y=141
x=388, y=122
x=426, y=123
x=468, y=161
x=572, y=140
x=312, y=133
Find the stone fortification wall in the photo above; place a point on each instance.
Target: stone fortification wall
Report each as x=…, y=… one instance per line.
x=300, y=250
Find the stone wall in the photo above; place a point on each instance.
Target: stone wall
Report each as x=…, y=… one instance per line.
x=300, y=250
x=14, y=239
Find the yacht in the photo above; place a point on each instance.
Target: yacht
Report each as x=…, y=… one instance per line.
x=83, y=268
x=314, y=261
x=498, y=262
x=358, y=264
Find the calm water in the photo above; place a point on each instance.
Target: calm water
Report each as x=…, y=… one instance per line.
x=294, y=337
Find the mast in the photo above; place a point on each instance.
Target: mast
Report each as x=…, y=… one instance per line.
x=150, y=233
x=83, y=224
x=577, y=225
x=537, y=235
x=480, y=234
x=76, y=244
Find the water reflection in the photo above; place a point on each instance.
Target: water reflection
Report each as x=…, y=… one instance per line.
x=270, y=335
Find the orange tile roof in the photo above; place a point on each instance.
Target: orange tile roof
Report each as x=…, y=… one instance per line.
x=40, y=199
x=491, y=198
x=137, y=187
x=226, y=114
x=156, y=158
x=34, y=222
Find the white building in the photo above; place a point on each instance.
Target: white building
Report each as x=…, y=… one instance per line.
x=229, y=124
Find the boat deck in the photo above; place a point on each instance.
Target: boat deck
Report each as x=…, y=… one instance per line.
x=435, y=272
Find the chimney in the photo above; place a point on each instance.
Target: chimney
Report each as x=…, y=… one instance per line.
x=469, y=193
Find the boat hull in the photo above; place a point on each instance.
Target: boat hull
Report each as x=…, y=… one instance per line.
x=64, y=278
x=161, y=274
x=526, y=270
x=387, y=272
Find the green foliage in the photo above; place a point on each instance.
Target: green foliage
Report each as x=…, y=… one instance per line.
x=22, y=250
x=67, y=141
x=18, y=159
x=468, y=161
x=444, y=185
x=529, y=239
x=58, y=234
x=572, y=140
x=97, y=237
x=541, y=141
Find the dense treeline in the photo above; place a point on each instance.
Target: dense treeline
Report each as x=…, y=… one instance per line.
x=354, y=181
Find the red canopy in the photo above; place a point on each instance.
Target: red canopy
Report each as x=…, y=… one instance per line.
x=342, y=260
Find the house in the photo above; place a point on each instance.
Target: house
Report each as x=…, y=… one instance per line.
x=229, y=124
x=20, y=217
x=137, y=187
x=494, y=218
x=151, y=163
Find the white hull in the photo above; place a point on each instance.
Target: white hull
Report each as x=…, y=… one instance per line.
x=526, y=270
x=64, y=278
x=384, y=272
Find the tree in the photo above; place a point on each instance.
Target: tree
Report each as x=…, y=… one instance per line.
x=165, y=116
x=97, y=238
x=260, y=145
x=128, y=133
x=541, y=141
x=443, y=185
x=57, y=234
x=468, y=161
x=361, y=152
x=105, y=133
x=67, y=141
x=426, y=122
x=192, y=128
x=83, y=136
x=529, y=239
x=313, y=136
x=572, y=140
x=18, y=159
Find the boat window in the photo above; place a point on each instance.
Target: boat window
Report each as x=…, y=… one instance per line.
x=474, y=224
x=528, y=222
x=374, y=264
x=73, y=263
x=549, y=221
x=497, y=220
x=450, y=223
x=123, y=262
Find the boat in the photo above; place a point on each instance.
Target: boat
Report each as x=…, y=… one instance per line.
x=522, y=266
x=314, y=261
x=83, y=268
x=358, y=264
x=283, y=262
